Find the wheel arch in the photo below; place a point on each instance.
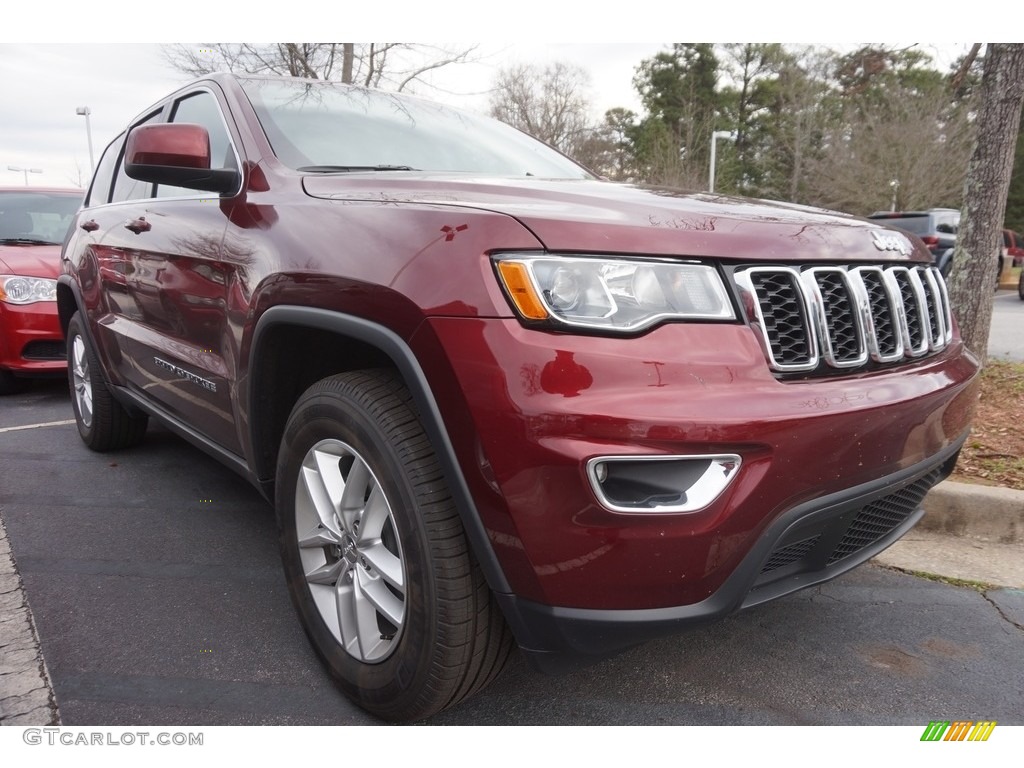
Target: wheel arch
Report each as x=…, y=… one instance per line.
x=68, y=302
x=272, y=389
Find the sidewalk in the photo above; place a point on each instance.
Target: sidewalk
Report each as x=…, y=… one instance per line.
x=26, y=697
x=969, y=532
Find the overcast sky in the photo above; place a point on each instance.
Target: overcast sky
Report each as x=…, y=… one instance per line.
x=42, y=83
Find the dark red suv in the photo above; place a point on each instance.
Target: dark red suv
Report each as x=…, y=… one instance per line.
x=495, y=400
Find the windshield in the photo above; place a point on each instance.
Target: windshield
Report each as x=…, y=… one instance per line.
x=36, y=217
x=329, y=127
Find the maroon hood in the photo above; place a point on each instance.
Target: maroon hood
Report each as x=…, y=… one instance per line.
x=30, y=260
x=603, y=217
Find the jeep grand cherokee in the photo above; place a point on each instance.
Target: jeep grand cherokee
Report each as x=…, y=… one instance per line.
x=495, y=400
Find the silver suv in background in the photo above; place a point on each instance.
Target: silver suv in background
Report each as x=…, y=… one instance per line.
x=937, y=227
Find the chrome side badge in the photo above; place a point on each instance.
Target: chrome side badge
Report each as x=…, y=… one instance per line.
x=890, y=241
x=187, y=375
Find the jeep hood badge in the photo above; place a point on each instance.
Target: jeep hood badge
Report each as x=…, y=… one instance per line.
x=891, y=241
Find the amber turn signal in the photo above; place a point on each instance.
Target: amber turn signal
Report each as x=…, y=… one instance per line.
x=521, y=291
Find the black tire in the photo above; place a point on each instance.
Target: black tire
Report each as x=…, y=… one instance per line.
x=10, y=384
x=1020, y=285
x=103, y=423
x=448, y=638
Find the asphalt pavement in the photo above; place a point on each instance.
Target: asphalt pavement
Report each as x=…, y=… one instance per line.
x=1006, y=336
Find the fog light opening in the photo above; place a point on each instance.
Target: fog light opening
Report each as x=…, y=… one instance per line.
x=661, y=483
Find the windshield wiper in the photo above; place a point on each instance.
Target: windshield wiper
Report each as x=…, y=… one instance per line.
x=352, y=168
x=26, y=241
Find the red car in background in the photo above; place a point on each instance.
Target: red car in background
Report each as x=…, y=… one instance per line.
x=33, y=222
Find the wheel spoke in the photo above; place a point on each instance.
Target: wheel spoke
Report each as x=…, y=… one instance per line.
x=380, y=597
x=320, y=499
x=348, y=628
x=318, y=537
x=354, y=495
x=327, y=464
x=385, y=563
x=375, y=515
x=364, y=617
x=328, y=574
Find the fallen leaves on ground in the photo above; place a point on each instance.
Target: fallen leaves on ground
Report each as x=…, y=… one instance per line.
x=994, y=452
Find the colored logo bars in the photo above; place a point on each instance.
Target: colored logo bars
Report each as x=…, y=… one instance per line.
x=959, y=730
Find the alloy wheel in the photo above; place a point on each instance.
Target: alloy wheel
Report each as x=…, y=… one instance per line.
x=350, y=551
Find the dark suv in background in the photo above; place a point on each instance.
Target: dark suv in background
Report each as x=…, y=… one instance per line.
x=491, y=396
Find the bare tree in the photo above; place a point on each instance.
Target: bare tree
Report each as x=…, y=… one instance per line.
x=985, y=190
x=913, y=142
x=549, y=103
x=394, y=66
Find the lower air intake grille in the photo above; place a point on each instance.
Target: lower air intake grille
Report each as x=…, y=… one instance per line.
x=44, y=350
x=879, y=518
x=836, y=537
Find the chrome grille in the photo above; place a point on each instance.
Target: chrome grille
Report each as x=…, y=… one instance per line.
x=845, y=316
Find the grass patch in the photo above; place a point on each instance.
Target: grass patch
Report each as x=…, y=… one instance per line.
x=977, y=586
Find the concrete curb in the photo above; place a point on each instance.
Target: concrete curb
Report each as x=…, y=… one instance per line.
x=980, y=511
x=26, y=696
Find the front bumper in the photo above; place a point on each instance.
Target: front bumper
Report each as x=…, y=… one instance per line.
x=809, y=544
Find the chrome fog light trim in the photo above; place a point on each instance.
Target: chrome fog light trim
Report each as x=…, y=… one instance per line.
x=661, y=484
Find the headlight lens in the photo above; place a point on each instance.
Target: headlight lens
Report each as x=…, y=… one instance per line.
x=15, y=289
x=620, y=295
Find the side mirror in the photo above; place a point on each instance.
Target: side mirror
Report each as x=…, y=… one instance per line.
x=177, y=154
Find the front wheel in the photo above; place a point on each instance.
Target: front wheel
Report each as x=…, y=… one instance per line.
x=1020, y=285
x=374, y=551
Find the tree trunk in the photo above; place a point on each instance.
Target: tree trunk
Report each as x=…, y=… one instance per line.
x=988, y=180
x=347, y=60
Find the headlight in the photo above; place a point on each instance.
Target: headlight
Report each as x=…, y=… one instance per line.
x=619, y=295
x=27, y=290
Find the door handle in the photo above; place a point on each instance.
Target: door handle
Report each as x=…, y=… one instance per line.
x=139, y=225
x=90, y=225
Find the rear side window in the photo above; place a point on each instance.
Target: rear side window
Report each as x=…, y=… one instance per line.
x=916, y=224
x=948, y=224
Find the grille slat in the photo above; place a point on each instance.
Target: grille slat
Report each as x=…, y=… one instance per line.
x=846, y=315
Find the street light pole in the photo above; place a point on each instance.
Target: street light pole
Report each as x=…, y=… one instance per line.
x=731, y=135
x=25, y=171
x=88, y=132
